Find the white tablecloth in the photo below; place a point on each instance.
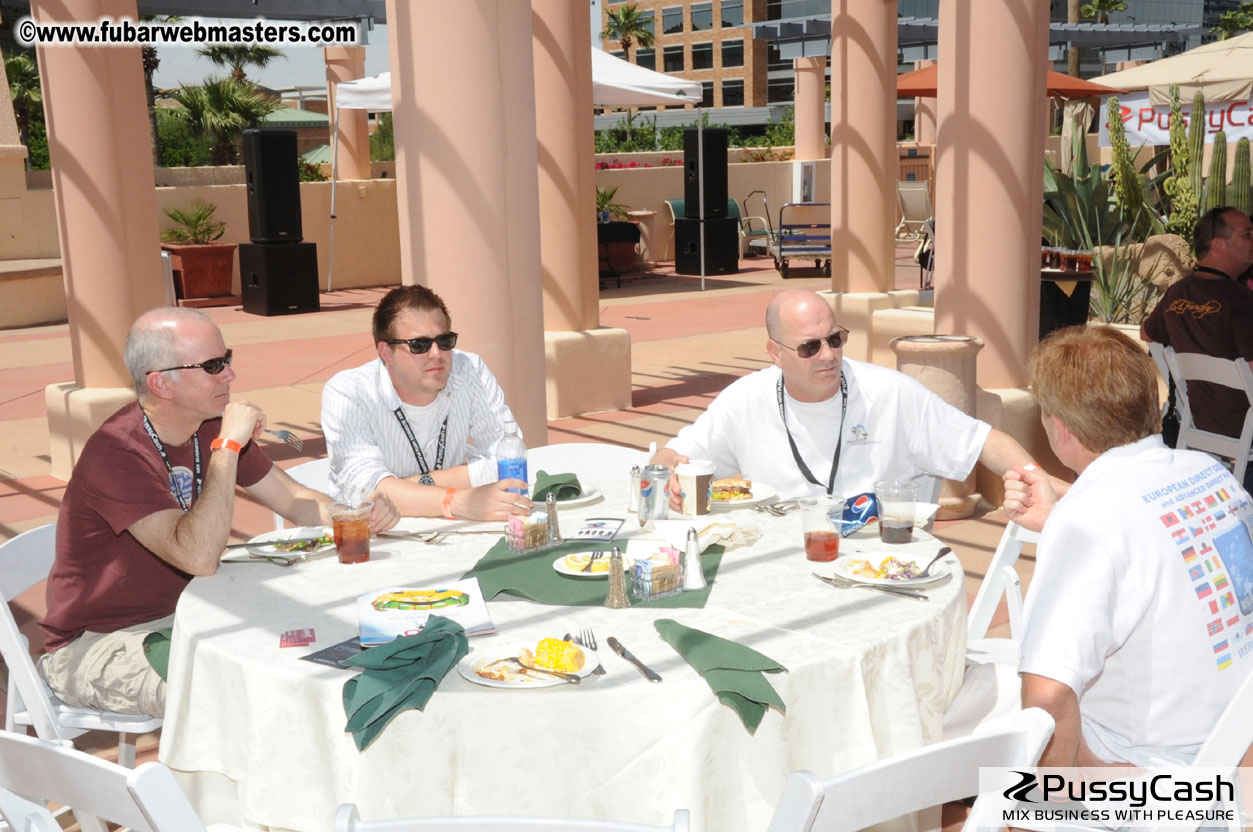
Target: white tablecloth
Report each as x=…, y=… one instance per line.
x=256, y=735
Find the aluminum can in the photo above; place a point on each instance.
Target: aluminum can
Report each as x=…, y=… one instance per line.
x=653, y=502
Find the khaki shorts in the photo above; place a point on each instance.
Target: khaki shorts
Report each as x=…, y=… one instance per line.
x=108, y=671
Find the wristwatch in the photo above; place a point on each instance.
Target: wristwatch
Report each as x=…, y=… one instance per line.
x=426, y=479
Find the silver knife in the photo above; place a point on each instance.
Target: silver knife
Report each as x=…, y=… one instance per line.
x=292, y=541
x=649, y=674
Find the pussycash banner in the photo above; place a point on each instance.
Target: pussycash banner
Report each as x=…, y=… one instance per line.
x=1148, y=125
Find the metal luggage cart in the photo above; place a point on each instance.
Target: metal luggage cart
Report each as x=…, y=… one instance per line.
x=804, y=234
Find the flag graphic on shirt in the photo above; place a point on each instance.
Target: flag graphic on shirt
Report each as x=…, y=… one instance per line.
x=1215, y=627
x=1213, y=607
x=1211, y=500
x=1209, y=565
x=1189, y=554
x=1203, y=591
x=1197, y=531
x=1224, y=661
x=1206, y=548
x=1198, y=506
x=1234, y=621
x=1220, y=582
x=1196, y=573
x=1180, y=534
x=1224, y=494
x=1220, y=515
x=1248, y=631
x=1169, y=519
x=1228, y=600
x=1220, y=646
x=1185, y=512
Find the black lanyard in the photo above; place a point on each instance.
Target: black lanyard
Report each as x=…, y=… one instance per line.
x=839, y=436
x=1208, y=270
x=156, y=440
x=413, y=443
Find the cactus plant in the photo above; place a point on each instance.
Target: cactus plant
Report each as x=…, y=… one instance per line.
x=1239, y=188
x=1216, y=185
x=1183, y=198
x=1196, y=145
x=1128, y=183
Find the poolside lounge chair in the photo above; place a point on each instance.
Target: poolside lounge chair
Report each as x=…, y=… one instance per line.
x=914, y=200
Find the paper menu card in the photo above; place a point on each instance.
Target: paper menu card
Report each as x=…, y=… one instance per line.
x=597, y=528
x=390, y=612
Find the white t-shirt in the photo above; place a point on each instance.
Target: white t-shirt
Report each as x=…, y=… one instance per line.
x=894, y=428
x=1142, y=600
x=366, y=442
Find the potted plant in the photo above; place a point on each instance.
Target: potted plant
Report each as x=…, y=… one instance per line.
x=606, y=208
x=202, y=266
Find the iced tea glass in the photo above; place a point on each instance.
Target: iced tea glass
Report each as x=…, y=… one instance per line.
x=821, y=522
x=352, y=530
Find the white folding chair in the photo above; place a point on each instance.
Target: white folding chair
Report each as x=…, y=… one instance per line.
x=914, y=201
x=347, y=820
x=1235, y=372
x=913, y=781
x=991, y=691
x=315, y=474
x=25, y=561
x=34, y=772
x=587, y=460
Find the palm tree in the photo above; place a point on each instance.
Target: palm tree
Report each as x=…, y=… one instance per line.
x=626, y=26
x=1234, y=22
x=238, y=57
x=220, y=109
x=1072, y=53
x=24, y=90
x=1100, y=9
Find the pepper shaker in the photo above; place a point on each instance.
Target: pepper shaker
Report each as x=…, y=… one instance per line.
x=617, y=596
x=693, y=574
x=550, y=508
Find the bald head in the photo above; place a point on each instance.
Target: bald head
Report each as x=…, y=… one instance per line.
x=791, y=306
x=152, y=342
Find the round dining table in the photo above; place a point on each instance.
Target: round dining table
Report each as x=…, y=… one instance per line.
x=256, y=735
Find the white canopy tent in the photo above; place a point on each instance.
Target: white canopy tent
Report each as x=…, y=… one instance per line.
x=615, y=83
x=1223, y=70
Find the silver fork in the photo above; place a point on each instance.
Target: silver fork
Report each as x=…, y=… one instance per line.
x=288, y=437
x=588, y=639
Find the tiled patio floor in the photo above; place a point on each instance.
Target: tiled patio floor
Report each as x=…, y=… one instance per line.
x=686, y=346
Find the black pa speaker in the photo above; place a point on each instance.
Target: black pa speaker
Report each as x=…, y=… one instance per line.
x=721, y=257
x=715, y=163
x=278, y=278
x=272, y=172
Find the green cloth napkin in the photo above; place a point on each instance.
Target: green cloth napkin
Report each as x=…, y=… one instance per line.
x=532, y=576
x=157, y=651
x=400, y=675
x=733, y=671
x=563, y=486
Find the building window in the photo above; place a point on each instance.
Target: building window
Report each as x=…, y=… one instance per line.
x=732, y=13
x=732, y=53
x=702, y=16
x=647, y=21
x=646, y=58
x=672, y=20
x=702, y=56
x=774, y=60
x=779, y=90
x=733, y=93
x=706, y=93
x=619, y=54
x=672, y=59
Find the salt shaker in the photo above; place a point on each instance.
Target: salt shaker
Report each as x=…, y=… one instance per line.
x=617, y=597
x=693, y=574
x=550, y=508
x=635, y=488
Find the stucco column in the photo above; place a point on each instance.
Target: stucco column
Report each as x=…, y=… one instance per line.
x=924, y=113
x=810, y=107
x=466, y=190
x=106, y=205
x=863, y=144
x=989, y=192
x=587, y=368
x=352, y=160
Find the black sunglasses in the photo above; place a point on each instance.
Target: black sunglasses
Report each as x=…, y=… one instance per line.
x=421, y=346
x=213, y=366
x=808, y=349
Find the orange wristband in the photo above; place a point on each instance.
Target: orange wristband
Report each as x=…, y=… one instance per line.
x=229, y=444
x=447, y=505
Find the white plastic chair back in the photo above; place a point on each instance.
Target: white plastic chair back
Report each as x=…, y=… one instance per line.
x=25, y=561
x=913, y=781
x=1000, y=581
x=315, y=474
x=34, y=772
x=588, y=460
x=347, y=820
x=1187, y=366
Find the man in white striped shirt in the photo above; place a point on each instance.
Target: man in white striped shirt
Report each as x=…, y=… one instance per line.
x=418, y=424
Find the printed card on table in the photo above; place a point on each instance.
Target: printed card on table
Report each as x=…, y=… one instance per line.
x=388, y=613
x=597, y=528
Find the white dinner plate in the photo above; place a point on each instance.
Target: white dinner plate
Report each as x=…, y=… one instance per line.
x=564, y=566
x=591, y=495
x=761, y=494
x=479, y=658
x=843, y=568
x=264, y=544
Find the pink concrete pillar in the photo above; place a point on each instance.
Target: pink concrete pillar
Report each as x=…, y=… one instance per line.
x=104, y=189
x=347, y=63
x=924, y=113
x=466, y=188
x=989, y=191
x=811, y=106
x=863, y=144
x=567, y=162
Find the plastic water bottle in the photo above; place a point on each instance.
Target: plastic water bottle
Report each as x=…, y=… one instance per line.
x=510, y=455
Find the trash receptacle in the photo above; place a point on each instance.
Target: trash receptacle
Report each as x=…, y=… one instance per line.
x=1064, y=299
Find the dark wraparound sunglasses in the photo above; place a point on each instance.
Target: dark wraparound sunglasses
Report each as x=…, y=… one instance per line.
x=808, y=349
x=213, y=366
x=421, y=346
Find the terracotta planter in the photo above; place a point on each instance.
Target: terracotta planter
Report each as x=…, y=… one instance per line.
x=202, y=271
